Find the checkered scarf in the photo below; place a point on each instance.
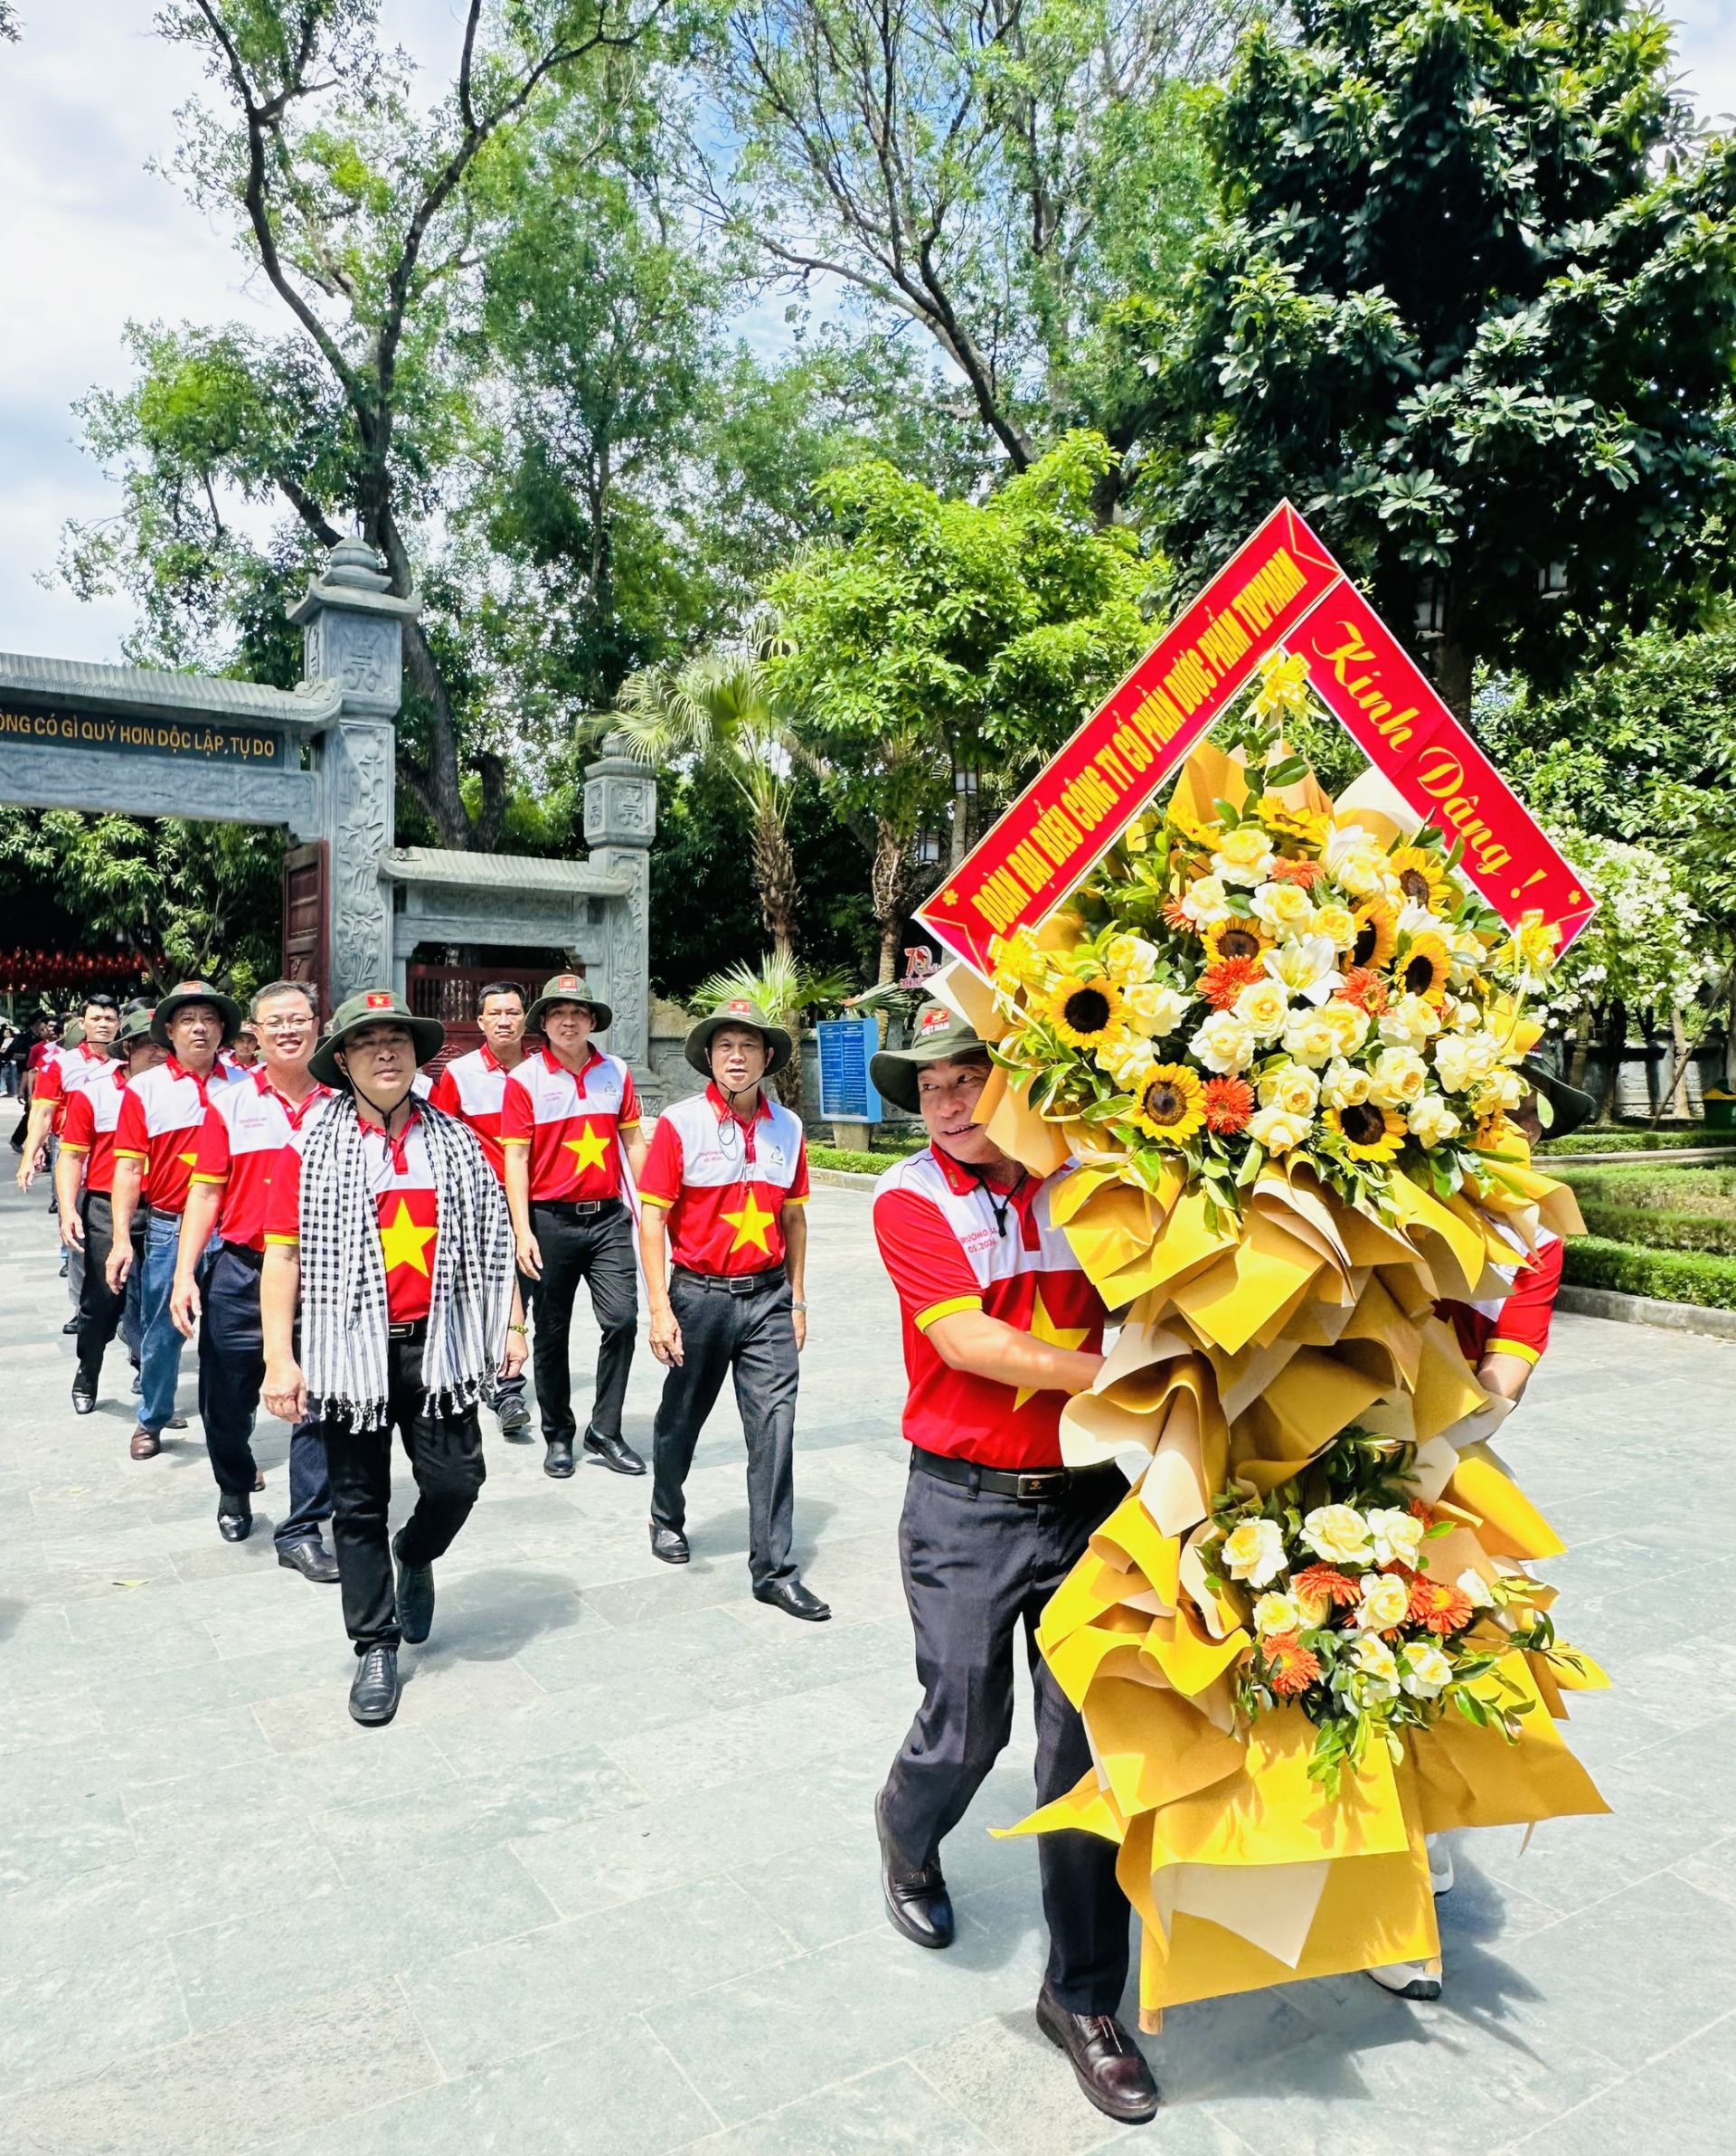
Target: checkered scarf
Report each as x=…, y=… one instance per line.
x=344, y=1308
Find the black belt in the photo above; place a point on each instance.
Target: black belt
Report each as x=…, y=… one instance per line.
x=245, y=1254
x=1031, y=1485
x=574, y=1208
x=736, y=1284
x=417, y=1329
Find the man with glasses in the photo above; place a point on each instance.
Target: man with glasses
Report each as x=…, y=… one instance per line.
x=247, y=1128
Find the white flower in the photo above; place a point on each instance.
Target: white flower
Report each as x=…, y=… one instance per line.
x=1254, y=1552
x=1409, y=1022
x=1277, y=1130
x=1130, y=958
x=1262, y=1006
x=1349, y=1024
x=1432, y=1122
x=1356, y=864
x=1158, y=1010
x=1398, y=1536
x=1337, y=1535
x=1386, y=1601
x=1310, y=1036
x=1377, y=1673
x=1204, y=902
x=1418, y=920
x=1291, y=1087
x=1224, y=1044
x=1277, y=1614
x=1337, y=922
x=1305, y=966
x=1284, y=908
x=1244, y=855
x=1344, y=1085
x=1398, y=1078
x=1475, y=1588
x=1426, y=1671
x=1463, y=1060
x=1129, y=1057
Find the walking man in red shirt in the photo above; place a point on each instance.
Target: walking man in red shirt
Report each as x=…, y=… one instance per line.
x=388, y=1231
x=1001, y=1325
x=87, y=1152
x=567, y=1113
x=156, y=1146
x=723, y=1189
x=473, y=1087
x=216, y=1293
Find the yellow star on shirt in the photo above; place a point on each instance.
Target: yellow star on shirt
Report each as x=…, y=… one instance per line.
x=591, y=1151
x=191, y=1159
x=1043, y=1327
x=404, y=1241
x=750, y=1226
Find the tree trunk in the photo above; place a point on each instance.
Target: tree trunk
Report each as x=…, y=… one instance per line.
x=886, y=882
x=774, y=871
x=1455, y=664
x=438, y=785
x=1581, y=1049
x=1615, y=1045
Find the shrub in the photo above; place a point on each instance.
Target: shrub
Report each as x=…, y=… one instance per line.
x=1668, y=1276
x=1657, y=1230
x=1633, y=1142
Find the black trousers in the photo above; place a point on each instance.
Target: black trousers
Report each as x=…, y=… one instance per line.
x=597, y=1248
x=751, y=1337
x=100, y=1308
x=445, y=1455
x=976, y=1566
x=232, y=1371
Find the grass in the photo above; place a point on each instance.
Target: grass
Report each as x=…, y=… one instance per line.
x=1626, y=1140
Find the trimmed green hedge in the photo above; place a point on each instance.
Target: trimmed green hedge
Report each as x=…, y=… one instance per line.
x=1633, y=1141
x=1657, y=1230
x=853, y=1163
x=1656, y=1188
x=1667, y=1276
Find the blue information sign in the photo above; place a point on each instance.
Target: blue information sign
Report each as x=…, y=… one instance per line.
x=846, y=1090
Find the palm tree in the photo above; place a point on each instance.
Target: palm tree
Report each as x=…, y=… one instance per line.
x=787, y=993
x=718, y=707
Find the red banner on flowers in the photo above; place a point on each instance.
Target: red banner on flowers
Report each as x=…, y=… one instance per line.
x=1281, y=591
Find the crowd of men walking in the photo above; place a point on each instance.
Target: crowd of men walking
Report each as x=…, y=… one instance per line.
x=367, y=1252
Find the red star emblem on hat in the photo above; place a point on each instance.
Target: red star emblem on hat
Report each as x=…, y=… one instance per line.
x=379, y=1002
x=934, y=1020
x=737, y=1007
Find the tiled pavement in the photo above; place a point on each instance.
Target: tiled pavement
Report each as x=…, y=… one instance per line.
x=608, y=1884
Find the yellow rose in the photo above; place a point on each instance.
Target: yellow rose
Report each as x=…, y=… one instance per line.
x=1398, y=1078
x=1344, y=1085
x=1337, y=1535
x=1254, y=1552
x=1426, y=1671
x=1128, y=958
x=1339, y=922
x=1309, y=1037
x=1397, y=1535
x=1158, y=1010
x=1286, y=907
x=1432, y=1122
x=1262, y=1006
x=1129, y=1057
x=1349, y=1026
x=1292, y=1088
x=1386, y=1601
x=1377, y=1672
x=1277, y=1614
x=1244, y=855
x=1361, y=870
x=1278, y=1130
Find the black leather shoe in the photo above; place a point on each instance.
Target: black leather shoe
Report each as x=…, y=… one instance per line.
x=1107, y=2063
x=514, y=1421
x=375, y=1688
x=84, y=1395
x=794, y=1600
x=669, y=1543
x=415, y=1595
x=72, y=1325
x=234, y=1515
x=310, y=1557
x=614, y=1452
x=916, y=1896
x=139, y=1379
x=559, y=1460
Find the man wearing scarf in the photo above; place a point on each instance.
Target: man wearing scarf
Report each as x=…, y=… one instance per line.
x=390, y=1232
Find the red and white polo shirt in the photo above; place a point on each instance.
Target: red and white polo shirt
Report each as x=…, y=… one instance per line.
x=947, y=1250
x=473, y=1087
x=247, y=1128
x=1516, y=1324
x=571, y=1120
x=71, y=1070
x=406, y=1205
x=725, y=1182
x=160, y=1115
x=91, y=1114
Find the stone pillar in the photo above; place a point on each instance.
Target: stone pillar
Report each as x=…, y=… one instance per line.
x=353, y=633
x=620, y=822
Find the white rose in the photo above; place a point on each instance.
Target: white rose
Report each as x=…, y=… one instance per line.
x=1386, y=1601
x=1277, y=1614
x=1398, y=1078
x=1339, y=922
x=1409, y=1022
x=1349, y=1024
x=1158, y=1010
x=1292, y=1088
x=1344, y=1085
x=1263, y=1006
x=1277, y=1130
x=1464, y=1060
x=1284, y=908
x=1397, y=1535
x=1357, y=866
x=1129, y=1059
x=1377, y=1672
x=1416, y=920
x=1475, y=1588
x=1432, y=1122
x=1337, y=1535
x=1224, y=1044
x=1254, y=1552
x=1426, y=1671
x=1310, y=1036
x=1128, y=958
x=1204, y=902
x=1244, y=855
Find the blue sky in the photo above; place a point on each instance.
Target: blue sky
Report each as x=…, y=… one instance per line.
x=92, y=239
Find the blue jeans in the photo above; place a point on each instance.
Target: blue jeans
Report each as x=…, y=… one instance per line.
x=231, y=1369
x=159, y=1344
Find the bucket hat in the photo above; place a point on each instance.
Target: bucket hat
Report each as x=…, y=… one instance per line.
x=939, y=1035
x=373, y=1007
x=567, y=987
x=135, y=1026
x=1569, y=1107
x=737, y=1010
x=195, y=991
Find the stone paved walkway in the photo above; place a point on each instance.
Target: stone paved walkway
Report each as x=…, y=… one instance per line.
x=608, y=1885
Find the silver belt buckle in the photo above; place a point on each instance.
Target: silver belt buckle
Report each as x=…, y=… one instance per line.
x=1038, y=1483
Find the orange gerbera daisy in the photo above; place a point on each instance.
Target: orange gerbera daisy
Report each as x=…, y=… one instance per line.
x=1364, y=987
x=1438, y=1606
x=1290, y=1668
x=1419, y=1510
x=1177, y=920
x=1229, y=1103
x=1220, y=984
x=1325, y=1583
x=1298, y=872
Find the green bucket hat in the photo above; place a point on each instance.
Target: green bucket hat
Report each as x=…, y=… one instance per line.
x=1569, y=1107
x=135, y=1026
x=195, y=991
x=567, y=987
x=74, y=1036
x=373, y=1007
x=739, y=1010
x=939, y=1035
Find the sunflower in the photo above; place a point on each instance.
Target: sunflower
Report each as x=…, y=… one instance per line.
x=1082, y=1011
x=1236, y=938
x=1191, y=827
x=1423, y=879
x=1309, y=824
x=1377, y=931
x=1424, y=969
x=1172, y=1104
x=1370, y=1132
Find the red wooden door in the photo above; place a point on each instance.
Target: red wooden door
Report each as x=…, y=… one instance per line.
x=307, y=921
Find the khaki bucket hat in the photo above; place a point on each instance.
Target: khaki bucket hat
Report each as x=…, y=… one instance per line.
x=567, y=987
x=373, y=1007
x=739, y=1010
